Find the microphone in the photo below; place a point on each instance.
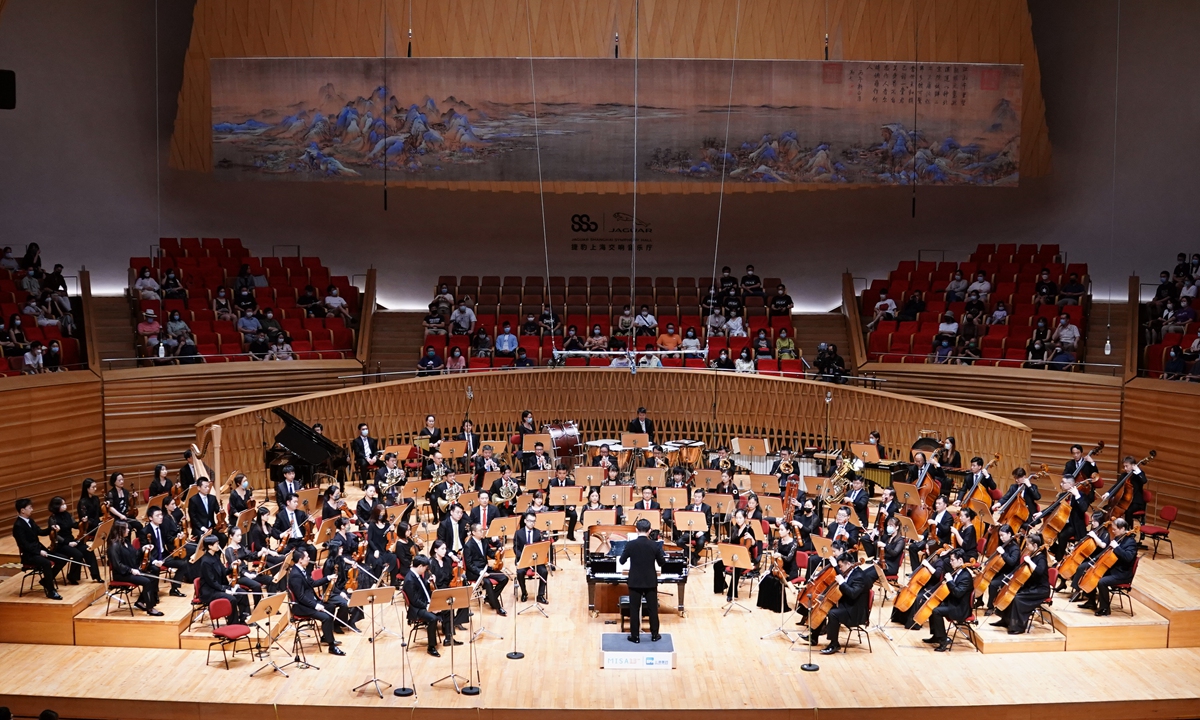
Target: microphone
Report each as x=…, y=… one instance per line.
x=470, y=395
x=828, y=396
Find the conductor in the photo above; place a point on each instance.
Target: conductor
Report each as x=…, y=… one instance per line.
x=642, y=554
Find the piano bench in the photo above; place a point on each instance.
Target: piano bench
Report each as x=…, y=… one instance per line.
x=623, y=605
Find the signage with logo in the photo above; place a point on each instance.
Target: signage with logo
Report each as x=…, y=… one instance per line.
x=610, y=232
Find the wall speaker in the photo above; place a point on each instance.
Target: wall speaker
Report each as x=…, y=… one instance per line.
x=8, y=90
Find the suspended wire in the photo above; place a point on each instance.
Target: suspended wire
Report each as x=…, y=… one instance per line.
x=712, y=290
x=916, y=48
x=538, y=146
x=637, y=51
x=1112, y=204
x=157, y=128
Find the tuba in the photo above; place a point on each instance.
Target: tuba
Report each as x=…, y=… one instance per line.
x=839, y=484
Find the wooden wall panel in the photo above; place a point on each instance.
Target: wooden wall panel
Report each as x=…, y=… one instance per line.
x=150, y=413
x=931, y=30
x=51, y=437
x=1060, y=409
x=1164, y=416
x=684, y=404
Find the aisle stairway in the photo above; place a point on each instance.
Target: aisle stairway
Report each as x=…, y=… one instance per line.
x=395, y=341
x=113, y=331
x=815, y=328
x=1096, y=332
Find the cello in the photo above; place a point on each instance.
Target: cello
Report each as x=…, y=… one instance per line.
x=1016, y=581
x=1055, y=517
x=1083, y=550
x=990, y=568
x=916, y=583
x=930, y=488
x=921, y=616
x=1121, y=495
x=819, y=591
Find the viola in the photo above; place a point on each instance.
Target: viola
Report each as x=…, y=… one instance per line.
x=1121, y=495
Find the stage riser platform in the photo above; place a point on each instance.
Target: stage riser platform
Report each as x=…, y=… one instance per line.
x=36, y=620
x=993, y=640
x=1118, y=631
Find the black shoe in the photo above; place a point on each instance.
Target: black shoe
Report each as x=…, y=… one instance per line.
x=434, y=651
x=175, y=593
x=335, y=643
x=154, y=613
x=932, y=641
x=339, y=630
x=335, y=650
x=1089, y=605
x=501, y=612
x=462, y=628
x=140, y=605
x=831, y=649
x=524, y=597
x=543, y=601
x=655, y=637
x=943, y=647
x=999, y=623
x=633, y=639
x=72, y=582
x=1102, y=613
x=448, y=642
x=354, y=627
x=1012, y=631
x=53, y=595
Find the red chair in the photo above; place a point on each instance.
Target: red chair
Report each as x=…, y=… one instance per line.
x=1161, y=533
x=122, y=592
x=1121, y=592
x=225, y=635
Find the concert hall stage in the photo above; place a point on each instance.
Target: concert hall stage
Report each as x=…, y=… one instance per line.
x=722, y=665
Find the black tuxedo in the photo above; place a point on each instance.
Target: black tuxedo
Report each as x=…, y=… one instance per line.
x=478, y=515
x=1030, y=495
x=854, y=607
x=480, y=465
x=643, y=554
x=832, y=528
x=1012, y=555
x=445, y=532
x=472, y=442
x=530, y=461
x=281, y=492
x=641, y=505
x=931, y=471
x=572, y=516
x=214, y=584
x=984, y=479
x=956, y=606
x=201, y=516
x=635, y=426
x=524, y=537
x=694, y=541
x=304, y=601
x=858, y=498
x=361, y=454
x=1121, y=572
x=417, y=595
x=939, y=527
x=26, y=533
x=281, y=530
x=476, y=560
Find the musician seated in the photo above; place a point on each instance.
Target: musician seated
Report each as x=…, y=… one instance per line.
x=1024, y=485
x=214, y=582
x=286, y=486
x=305, y=603
x=939, y=526
x=1124, y=546
x=677, y=478
x=784, y=467
x=722, y=461
x=203, y=509
x=380, y=558
x=808, y=523
x=935, y=564
x=417, y=597
x=362, y=511
x=694, y=542
x=453, y=530
x=957, y=604
x=1076, y=526
x=840, y=528
x=740, y=534
x=815, y=561
x=484, y=463
x=121, y=503
x=26, y=533
x=1136, y=477
x=854, y=606
x=538, y=459
x=339, y=595
x=477, y=554
x=163, y=543
x=858, y=497
x=125, y=563
x=484, y=512
x=923, y=469
x=1015, y=617
x=891, y=545
x=366, y=452
x=771, y=594
x=889, y=506
x=560, y=480
x=1010, y=553
x=979, y=476
x=288, y=528
x=965, y=536
x=647, y=502
x=1098, y=530
x=605, y=458
x=529, y=535
x=505, y=491
x=67, y=546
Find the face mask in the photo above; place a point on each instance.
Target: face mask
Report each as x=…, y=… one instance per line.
x=175, y=318
x=1161, y=279
x=431, y=353
x=145, y=274
x=54, y=350
x=1172, y=354
x=170, y=274
x=456, y=353
x=245, y=484
x=1062, y=322
x=596, y=332
x=724, y=356
x=945, y=344
x=17, y=323
x=626, y=312
x=783, y=336
x=571, y=333
x=507, y=329
x=691, y=334
x=245, y=293
x=1041, y=324
x=365, y=432
x=1037, y=346
x=270, y=315
x=221, y=294
x=779, y=292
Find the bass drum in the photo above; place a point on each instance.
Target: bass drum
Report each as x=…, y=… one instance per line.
x=926, y=445
x=566, y=442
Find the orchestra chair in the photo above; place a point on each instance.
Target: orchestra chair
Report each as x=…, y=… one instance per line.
x=33, y=574
x=301, y=624
x=1121, y=592
x=966, y=627
x=225, y=635
x=414, y=626
x=199, y=609
x=1140, y=516
x=123, y=592
x=1043, y=609
x=862, y=629
x=1161, y=533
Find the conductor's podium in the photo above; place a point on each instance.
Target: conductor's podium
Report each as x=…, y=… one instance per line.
x=617, y=653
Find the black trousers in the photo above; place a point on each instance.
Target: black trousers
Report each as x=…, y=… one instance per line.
x=937, y=622
x=239, y=603
x=540, y=570
x=430, y=620
x=637, y=596
x=493, y=586
x=49, y=568
x=149, y=586
x=834, y=621
x=82, y=556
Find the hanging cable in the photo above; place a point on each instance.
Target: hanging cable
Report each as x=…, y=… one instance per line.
x=157, y=127
x=916, y=47
x=385, y=104
x=637, y=51
x=1112, y=203
x=537, y=143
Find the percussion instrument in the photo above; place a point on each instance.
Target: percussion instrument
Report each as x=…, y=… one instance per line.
x=691, y=452
x=567, y=446
x=593, y=447
x=673, y=454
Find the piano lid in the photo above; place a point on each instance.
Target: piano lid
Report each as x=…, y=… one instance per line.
x=305, y=443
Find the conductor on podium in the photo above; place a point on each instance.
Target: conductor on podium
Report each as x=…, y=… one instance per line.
x=642, y=554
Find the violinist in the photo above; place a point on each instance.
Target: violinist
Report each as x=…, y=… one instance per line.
x=854, y=607
x=405, y=549
x=286, y=486
x=417, y=597
x=87, y=509
x=840, y=528
x=379, y=557
x=891, y=546
x=241, y=497
x=1124, y=546
x=366, y=504
x=331, y=503
x=120, y=502
x=125, y=564
x=337, y=566
x=173, y=518
x=162, y=540
x=771, y=595
x=979, y=475
x=1011, y=552
x=560, y=480
x=694, y=541
x=442, y=569
x=1016, y=616
x=1076, y=526
x=956, y=606
x=529, y=535
x=505, y=485
x=305, y=603
x=26, y=532
x=288, y=528
x=739, y=534
x=203, y=509
x=484, y=463
x=1022, y=483
x=453, y=530
x=857, y=497
x=65, y=544
x=161, y=484
x=939, y=526
x=214, y=581
x=1099, y=532
x=964, y=535
x=237, y=559
x=923, y=469
x=477, y=553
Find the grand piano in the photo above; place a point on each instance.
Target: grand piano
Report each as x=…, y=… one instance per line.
x=308, y=451
x=606, y=581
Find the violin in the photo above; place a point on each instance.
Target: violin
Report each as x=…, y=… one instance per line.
x=145, y=553
x=1121, y=495
x=457, y=574
x=498, y=561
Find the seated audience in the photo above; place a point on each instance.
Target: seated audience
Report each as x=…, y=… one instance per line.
x=1071, y=292
x=550, y=322
x=506, y=342
x=7, y=261
x=645, y=322
x=222, y=308
x=269, y=323
x=1061, y=357
x=956, y=289
x=716, y=326
x=1045, y=292
x=1066, y=334
x=172, y=287
x=430, y=363
x=244, y=300
x=745, y=362
x=33, y=364
x=969, y=353
x=456, y=362
x=999, y=316
x=280, y=350
x=573, y=342
x=176, y=328
x=751, y=283
x=1173, y=364
x=625, y=323
x=336, y=305
x=723, y=362
x=531, y=327
x=248, y=325
x=650, y=361
x=885, y=309
x=481, y=343
x=734, y=326
x=982, y=287
x=433, y=322
x=785, y=347
x=12, y=337
x=597, y=341
x=913, y=306
x=259, y=346
x=669, y=340
x=1035, y=357
x=691, y=345
x=761, y=345
x=523, y=360
x=948, y=328
x=146, y=286
x=943, y=351
x=443, y=300
x=463, y=320
x=53, y=358
x=781, y=304
x=310, y=303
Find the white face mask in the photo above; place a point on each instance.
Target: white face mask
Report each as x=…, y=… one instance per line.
x=365, y=432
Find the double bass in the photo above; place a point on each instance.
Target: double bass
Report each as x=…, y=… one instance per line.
x=980, y=493
x=1121, y=495
x=1013, y=513
x=930, y=488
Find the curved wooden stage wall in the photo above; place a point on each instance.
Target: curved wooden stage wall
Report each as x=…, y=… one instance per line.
x=995, y=31
x=683, y=404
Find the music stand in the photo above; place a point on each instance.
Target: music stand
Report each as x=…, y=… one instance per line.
x=723, y=506
x=654, y=477
x=156, y=501
x=528, y=441
x=615, y=495
x=325, y=532
x=503, y=527
x=531, y=556
x=265, y=608
x=751, y=446
x=983, y=511
x=273, y=633
x=885, y=585
x=565, y=496
x=907, y=493
x=707, y=479
x=772, y=506
x=453, y=449
x=245, y=518
x=853, y=516
x=372, y=597
x=451, y=598
x=908, y=528
x=537, y=479
x=672, y=498
x=868, y=452
x=734, y=556
x=635, y=441
x=521, y=503
x=590, y=476
x=552, y=523
x=489, y=478
x=654, y=517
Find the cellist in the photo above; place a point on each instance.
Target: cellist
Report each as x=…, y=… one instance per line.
x=1099, y=533
x=1124, y=545
x=1076, y=526
x=853, y=608
x=939, y=526
x=936, y=564
x=1011, y=552
x=979, y=475
x=956, y=606
x=1016, y=616
x=1023, y=484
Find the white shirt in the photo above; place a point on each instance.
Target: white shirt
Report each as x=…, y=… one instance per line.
x=886, y=305
x=983, y=287
x=463, y=317
x=646, y=320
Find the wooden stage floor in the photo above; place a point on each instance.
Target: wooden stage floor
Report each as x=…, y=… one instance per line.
x=723, y=665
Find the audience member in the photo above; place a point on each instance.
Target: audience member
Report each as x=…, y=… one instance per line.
x=430, y=363
x=999, y=316
x=33, y=258
x=550, y=322
x=751, y=283
x=222, y=308
x=948, y=328
x=597, y=341
x=1066, y=334
x=336, y=305
x=1045, y=292
x=310, y=303
x=723, y=362
x=1062, y=357
x=885, y=309
x=531, y=327
x=149, y=330
x=625, y=322
x=1071, y=292
x=645, y=322
x=715, y=325
x=145, y=286
x=982, y=287
x=280, y=350
x=7, y=261
x=1035, y=357
x=434, y=322
x=53, y=359
x=913, y=306
x=745, y=363
x=506, y=342
x=943, y=351
x=269, y=323
x=248, y=325
x=463, y=320
x=244, y=300
x=172, y=288
x=649, y=361
x=1173, y=365
x=781, y=304
x=443, y=300
x=176, y=328
x=669, y=340
x=969, y=353
x=734, y=326
x=573, y=343
x=258, y=346
x=785, y=347
x=12, y=339
x=761, y=345
x=691, y=345
x=33, y=364
x=523, y=360
x=956, y=289
x=456, y=362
